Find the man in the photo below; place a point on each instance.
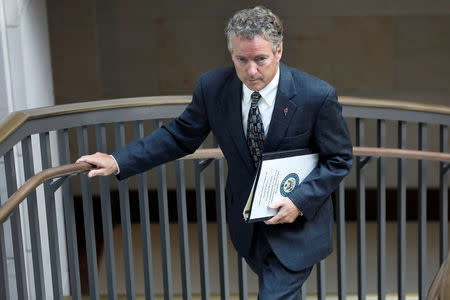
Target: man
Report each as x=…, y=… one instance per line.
x=258, y=106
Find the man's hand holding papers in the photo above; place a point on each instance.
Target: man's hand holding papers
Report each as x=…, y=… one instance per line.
x=287, y=212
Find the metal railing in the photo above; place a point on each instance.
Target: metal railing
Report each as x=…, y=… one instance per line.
x=102, y=119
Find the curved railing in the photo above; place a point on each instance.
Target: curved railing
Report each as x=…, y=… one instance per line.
x=18, y=124
x=99, y=121
x=211, y=153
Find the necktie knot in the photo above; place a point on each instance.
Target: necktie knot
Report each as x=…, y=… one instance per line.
x=255, y=96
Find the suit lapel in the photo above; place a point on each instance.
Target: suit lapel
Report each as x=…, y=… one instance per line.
x=232, y=107
x=283, y=110
x=282, y=114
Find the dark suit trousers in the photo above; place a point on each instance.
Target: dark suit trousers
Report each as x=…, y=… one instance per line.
x=276, y=282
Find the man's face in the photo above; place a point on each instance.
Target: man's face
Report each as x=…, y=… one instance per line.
x=254, y=60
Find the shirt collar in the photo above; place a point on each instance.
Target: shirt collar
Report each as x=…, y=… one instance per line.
x=266, y=91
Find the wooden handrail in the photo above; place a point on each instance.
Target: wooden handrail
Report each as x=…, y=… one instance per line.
x=357, y=151
x=394, y=104
x=401, y=153
x=32, y=183
x=207, y=153
x=16, y=119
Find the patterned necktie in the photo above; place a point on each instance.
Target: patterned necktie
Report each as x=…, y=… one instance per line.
x=255, y=130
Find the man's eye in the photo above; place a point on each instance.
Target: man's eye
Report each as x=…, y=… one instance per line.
x=261, y=59
x=241, y=59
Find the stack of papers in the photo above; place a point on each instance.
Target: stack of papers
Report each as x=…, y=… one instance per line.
x=278, y=174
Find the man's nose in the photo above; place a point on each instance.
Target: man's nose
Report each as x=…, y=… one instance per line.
x=252, y=69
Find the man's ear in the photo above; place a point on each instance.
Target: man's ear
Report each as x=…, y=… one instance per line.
x=279, y=52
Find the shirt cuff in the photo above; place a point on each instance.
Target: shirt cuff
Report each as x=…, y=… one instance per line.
x=117, y=165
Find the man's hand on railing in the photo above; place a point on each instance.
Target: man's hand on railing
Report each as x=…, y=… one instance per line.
x=105, y=164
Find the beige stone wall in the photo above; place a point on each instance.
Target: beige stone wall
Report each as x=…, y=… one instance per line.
x=124, y=49
x=74, y=51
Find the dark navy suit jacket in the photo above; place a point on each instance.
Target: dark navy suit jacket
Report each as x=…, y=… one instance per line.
x=306, y=115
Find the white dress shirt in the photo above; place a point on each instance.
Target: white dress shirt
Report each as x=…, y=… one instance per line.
x=265, y=104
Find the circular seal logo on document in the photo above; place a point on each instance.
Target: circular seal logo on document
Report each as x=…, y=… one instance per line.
x=288, y=184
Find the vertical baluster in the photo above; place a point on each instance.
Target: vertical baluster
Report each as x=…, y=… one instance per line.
x=105, y=200
x=242, y=277
x=202, y=231
x=16, y=228
x=401, y=213
x=321, y=287
x=381, y=201
x=125, y=219
x=144, y=212
x=361, y=207
x=183, y=231
x=443, y=195
x=422, y=213
x=4, y=282
x=164, y=227
x=69, y=218
x=341, y=252
x=221, y=228
x=88, y=215
x=52, y=228
x=33, y=218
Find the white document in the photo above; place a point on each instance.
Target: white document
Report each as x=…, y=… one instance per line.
x=279, y=173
